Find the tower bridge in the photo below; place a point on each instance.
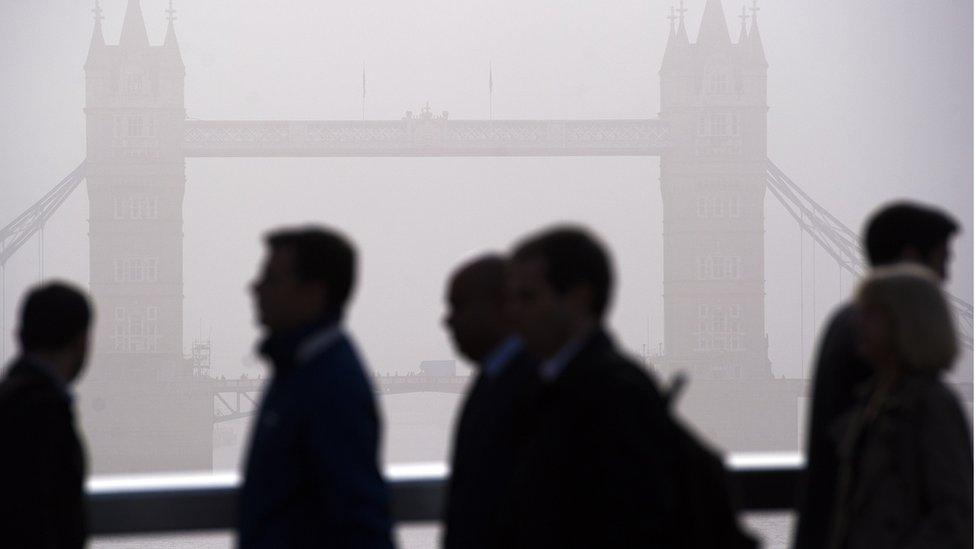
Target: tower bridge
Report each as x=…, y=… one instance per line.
x=143, y=399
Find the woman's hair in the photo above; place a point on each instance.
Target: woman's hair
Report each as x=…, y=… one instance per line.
x=922, y=330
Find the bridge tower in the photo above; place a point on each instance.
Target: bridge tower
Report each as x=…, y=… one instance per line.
x=713, y=96
x=139, y=404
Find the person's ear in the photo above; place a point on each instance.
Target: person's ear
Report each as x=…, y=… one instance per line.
x=319, y=295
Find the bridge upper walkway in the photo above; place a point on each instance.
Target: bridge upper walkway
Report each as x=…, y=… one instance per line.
x=424, y=136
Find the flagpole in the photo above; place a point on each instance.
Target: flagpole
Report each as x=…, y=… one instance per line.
x=364, y=91
x=490, y=92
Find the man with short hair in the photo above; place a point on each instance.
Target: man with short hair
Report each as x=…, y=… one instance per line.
x=42, y=463
x=312, y=478
x=480, y=322
x=598, y=466
x=898, y=232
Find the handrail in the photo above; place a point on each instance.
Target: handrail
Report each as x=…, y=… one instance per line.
x=137, y=505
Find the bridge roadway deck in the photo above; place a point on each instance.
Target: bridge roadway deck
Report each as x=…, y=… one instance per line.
x=424, y=137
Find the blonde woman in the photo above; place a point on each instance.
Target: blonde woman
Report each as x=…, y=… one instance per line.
x=907, y=463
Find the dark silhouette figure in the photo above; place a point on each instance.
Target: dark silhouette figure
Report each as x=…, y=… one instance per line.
x=479, y=319
x=42, y=463
x=906, y=475
x=597, y=466
x=312, y=478
x=898, y=232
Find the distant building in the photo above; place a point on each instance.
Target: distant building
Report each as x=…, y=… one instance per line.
x=142, y=408
x=438, y=368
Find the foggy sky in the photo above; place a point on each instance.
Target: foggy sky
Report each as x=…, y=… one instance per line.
x=869, y=101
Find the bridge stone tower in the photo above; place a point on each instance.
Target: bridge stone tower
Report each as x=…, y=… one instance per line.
x=140, y=398
x=713, y=97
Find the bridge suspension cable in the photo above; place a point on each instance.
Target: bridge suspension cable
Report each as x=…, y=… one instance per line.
x=25, y=225
x=841, y=243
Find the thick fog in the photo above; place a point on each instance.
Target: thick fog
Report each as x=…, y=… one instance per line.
x=869, y=101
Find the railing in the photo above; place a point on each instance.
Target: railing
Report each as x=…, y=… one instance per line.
x=132, y=505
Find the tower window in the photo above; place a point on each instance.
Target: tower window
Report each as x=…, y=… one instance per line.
x=137, y=269
x=717, y=206
x=719, y=328
x=718, y=267
x=136, y=331
x=133, y=83
x=137, y=207
x=718, y=80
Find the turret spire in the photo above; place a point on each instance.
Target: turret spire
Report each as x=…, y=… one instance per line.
x=96, y=50
x=714, y=31
x=171, y=48
x=743, y=33
x=677, y=43
x=134, y=27
x=682, y=32
x=756, y=49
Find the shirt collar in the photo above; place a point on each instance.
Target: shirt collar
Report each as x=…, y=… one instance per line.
x=501, y=355
x=50, y=371
x=551, y=369
x=317, y=342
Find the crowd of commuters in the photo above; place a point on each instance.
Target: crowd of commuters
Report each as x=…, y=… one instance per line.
x=563, y=441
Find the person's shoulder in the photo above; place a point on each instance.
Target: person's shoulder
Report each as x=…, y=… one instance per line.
x=22, y=385
x=937, y=399
x=615, y=373
x=338, y=366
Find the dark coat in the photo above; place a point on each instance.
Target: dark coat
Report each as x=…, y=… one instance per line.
x=484, y=454
x=839, y=372
x=42, y=465
x=312, y=478
x=907, y=475
x=597, y=466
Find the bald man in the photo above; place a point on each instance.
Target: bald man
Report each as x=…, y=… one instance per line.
x=480, y=324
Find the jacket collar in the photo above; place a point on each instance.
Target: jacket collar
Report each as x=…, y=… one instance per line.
x=283, y=348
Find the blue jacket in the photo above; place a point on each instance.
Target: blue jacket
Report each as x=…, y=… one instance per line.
x=312, y=478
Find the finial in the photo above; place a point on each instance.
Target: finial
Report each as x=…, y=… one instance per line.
x=744, y=17
x=672, y=17
x=681, y=11
x=97, y=10
x=754, y=9
x=170, y=13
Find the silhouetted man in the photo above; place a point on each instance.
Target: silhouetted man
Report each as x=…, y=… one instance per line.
x=42, y=464
x=898, y=232
x=312, y=478
x=597, y=467
x=480, y=323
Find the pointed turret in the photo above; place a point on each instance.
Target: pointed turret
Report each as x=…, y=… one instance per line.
x=757, y=53
x=133, y=28
x=171, y=48
x=682, y=36
x=677, y=46
x=714, y=31
x=97, y=51
x=743, y=32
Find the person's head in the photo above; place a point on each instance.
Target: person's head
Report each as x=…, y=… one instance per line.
x=906, y=231
x=478, y=309
x=54, y=322
x=905, y=321
x=561, y=283
x=308, y=274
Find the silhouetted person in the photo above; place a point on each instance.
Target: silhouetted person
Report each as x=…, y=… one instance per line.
x=42, y=463
x=597, y=466
x=480, y=322
x=906, y=475
x=898, y=232
x=312, y=478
